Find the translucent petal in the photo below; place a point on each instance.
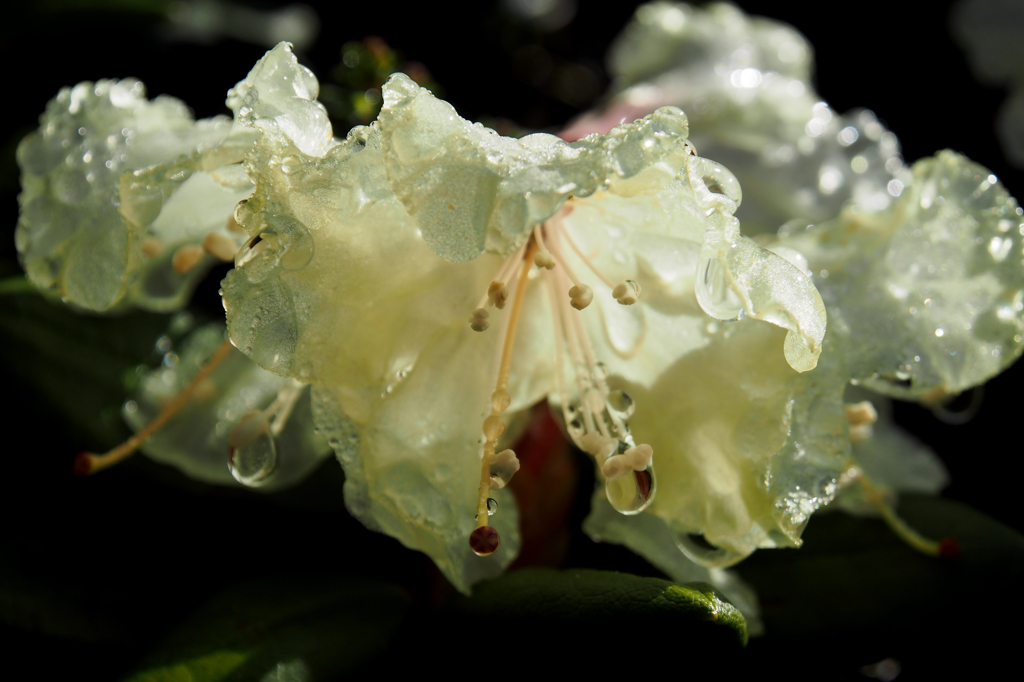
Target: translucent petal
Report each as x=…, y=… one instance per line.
x=745, y=84
x=926, y=298
x=472, y=190
x=746, y=458
x=738, y=276
x=87, y=203
x=195, y=440
x=412, y=467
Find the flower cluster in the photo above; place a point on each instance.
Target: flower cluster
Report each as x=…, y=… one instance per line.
x=432, y=281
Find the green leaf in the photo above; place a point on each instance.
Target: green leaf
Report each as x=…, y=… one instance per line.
x=304, y=628
x=546, y=598
x=51, y=347
x=854, y=581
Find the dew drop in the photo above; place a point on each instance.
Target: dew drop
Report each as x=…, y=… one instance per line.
x=576, y=429
x=632, y=493
x=492, y=506
x=713, y=292
x=253, y=464
x=243, y=212
x=290, y=164
x=622, y=403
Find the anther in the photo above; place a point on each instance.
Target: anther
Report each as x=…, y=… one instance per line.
x=861, y=416
x=497, y=294
x=626, y=292
x=504, y=465
x=186, y=258
x=478, y=320
x=580, y=296
x=598, y=446
x=637, y=458
x=544, y=259
x=220, y=247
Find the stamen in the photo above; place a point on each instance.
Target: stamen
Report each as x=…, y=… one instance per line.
x=504, y=465
x=947, y=548
x=626, y=292
x=220, y=247
x=543, y=257
x=186, y=258
x=88, y=463
x=497, y=291
x=861, y=416
x=478, y=320
x=484, y=540
x=252, y=455
x=580, y=295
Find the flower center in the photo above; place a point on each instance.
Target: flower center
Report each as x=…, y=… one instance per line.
x=595, y=415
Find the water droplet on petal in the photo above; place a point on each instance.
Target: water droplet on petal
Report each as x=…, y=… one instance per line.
x=254, y=463
x=713, y=292
x=622, y=403
x=492, y=506
x=632, y=493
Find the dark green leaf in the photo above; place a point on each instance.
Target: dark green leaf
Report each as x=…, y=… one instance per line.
x=598, y=599
x=300, y=627
x=855, y=581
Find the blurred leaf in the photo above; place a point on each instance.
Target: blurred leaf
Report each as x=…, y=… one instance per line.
x=301, y=627
x=601, y=599
x=76, y=361
x=854, y=581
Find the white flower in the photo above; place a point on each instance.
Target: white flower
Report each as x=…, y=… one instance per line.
x=367, y=257
x=125, y=200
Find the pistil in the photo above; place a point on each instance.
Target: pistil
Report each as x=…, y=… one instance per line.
x=484, y=540
x=87, y=463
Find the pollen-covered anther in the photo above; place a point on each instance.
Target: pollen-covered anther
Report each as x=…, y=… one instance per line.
x=497, y=294
x=220, y=247
x=504, y=465
x=478, y=320
x=580, y=296
x=544, y=259
x=637, y=458
x=597, y=446
x=861, y=416
x=626, y=292
x=186, y=258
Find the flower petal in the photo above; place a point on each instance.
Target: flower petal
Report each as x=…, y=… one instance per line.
x=927, y=296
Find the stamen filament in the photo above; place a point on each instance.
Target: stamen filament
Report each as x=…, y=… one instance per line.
x=87, y=463
x=898, y=525
x=504, y=269
x=283, y=405
x=582, y=381
x=502, y=383
x=563, y=394
x=589, y=263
